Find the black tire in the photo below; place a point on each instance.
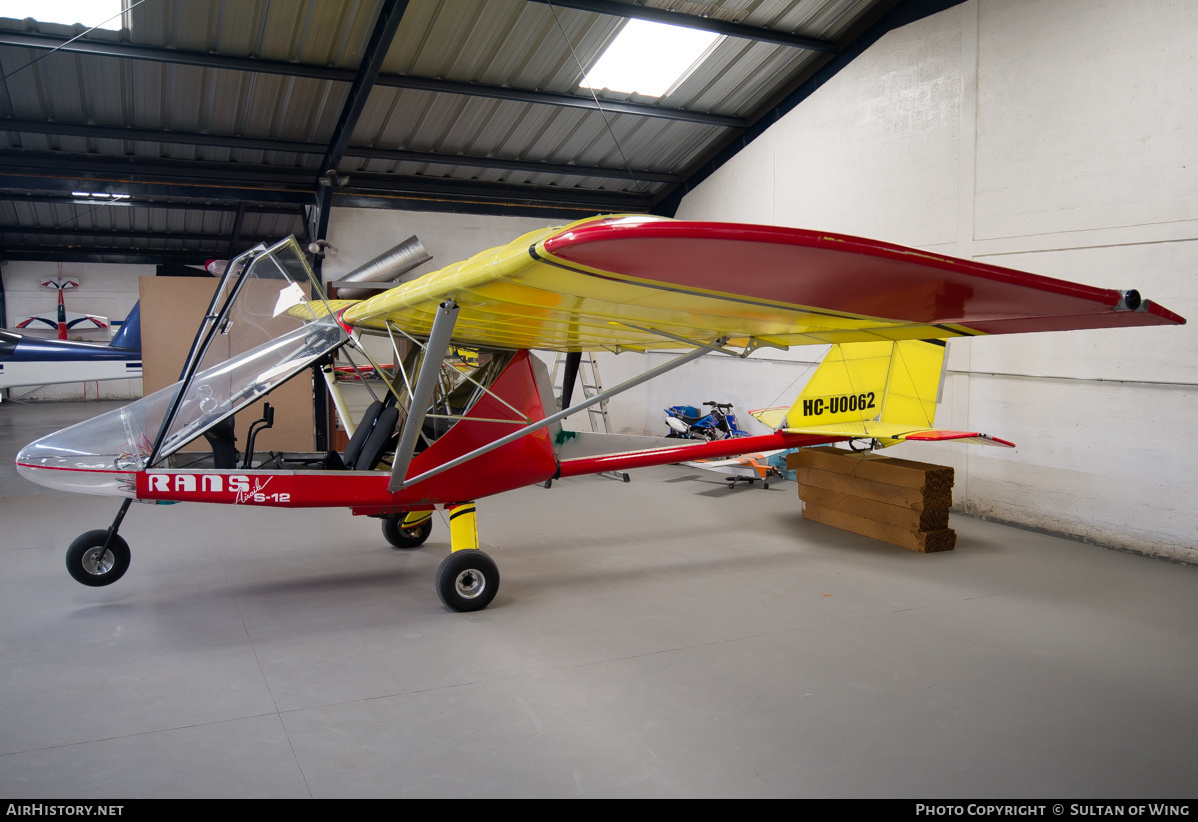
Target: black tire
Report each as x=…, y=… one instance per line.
x=467, y=580
x=765, y=485
x=90, y=564
x=406, y=538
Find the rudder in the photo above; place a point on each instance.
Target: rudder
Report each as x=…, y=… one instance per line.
x=873, y=381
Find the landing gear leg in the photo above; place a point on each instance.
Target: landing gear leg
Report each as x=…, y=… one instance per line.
x=100, y=557
x=467, y=579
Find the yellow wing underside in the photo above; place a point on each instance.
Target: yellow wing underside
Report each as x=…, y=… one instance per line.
x=509, y=298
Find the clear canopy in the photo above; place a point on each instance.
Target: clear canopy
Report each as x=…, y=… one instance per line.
x=268, y=333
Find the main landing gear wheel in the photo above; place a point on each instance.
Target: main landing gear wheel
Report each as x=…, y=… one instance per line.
x=401, y=537
x=467, y=580
x=91, y=564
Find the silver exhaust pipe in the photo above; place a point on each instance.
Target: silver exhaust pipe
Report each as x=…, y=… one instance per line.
x=388, y=266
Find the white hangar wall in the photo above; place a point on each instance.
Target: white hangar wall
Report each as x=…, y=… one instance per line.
x=1053, y=136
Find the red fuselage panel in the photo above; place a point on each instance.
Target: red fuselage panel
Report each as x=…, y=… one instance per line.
x=522, y=462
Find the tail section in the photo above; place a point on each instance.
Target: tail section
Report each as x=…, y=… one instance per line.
x=130, y=334
x=886, y=391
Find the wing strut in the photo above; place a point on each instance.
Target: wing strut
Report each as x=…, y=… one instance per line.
x=573, y=360
x=435, y=352
x=552, y=418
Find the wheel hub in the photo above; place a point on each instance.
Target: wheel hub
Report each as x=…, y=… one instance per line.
x=98, y=561
x=470, y=584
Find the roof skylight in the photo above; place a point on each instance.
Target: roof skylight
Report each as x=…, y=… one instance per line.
x=105, y=14
x=650, y=58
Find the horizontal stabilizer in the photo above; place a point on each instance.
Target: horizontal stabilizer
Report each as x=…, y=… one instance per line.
x=73, y=320
x=60, y=283
x=890, y=433
x=771, y=418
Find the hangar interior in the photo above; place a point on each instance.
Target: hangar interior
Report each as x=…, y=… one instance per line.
x=669, y=636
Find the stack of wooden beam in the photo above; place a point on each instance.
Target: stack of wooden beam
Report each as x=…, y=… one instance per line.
x=893, y=500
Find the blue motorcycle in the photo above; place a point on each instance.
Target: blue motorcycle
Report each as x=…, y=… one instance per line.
x=688, y=422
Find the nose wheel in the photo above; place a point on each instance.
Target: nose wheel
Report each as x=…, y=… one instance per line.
x=91, y=563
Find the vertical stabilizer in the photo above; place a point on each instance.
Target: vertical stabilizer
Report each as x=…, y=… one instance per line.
x=916, y=382
x=873, y=381
x=129, y=336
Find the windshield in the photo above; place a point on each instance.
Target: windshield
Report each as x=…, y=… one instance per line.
x=265, y=332
x=100, y=454
x=269, y=329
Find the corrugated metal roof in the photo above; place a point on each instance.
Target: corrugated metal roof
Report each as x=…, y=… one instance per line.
x=175, y=71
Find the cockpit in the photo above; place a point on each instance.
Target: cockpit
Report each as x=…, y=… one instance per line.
x=267, y=323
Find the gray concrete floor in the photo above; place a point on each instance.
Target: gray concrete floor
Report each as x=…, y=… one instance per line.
x=667, y=637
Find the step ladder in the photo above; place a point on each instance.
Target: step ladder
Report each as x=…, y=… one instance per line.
x=588, y=379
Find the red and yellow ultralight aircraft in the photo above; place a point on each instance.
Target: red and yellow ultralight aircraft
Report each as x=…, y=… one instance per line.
x=442, y=438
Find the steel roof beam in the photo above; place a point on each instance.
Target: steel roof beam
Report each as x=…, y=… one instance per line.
x=299, y=147
x=550, y=98
x=127, y=232
x=691, y=21
x=94, y=254
x=178, y=57
x=531, y=166
x=13, y=177
x=596, y=200
x=379, y=44
x=236, y=238
x=53, y=165
x=252, y=64
x=148, y=135
x=446, y=205
x=47, y=199
x=144, y=176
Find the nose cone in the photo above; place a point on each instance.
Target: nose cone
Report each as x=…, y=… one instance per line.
x=98, y=456
x=44, y=464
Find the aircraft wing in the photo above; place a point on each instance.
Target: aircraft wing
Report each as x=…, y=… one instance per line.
x=746, y=465
x=627, y=282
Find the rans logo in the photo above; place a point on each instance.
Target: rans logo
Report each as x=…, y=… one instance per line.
x=244, y=488
x=187, y=483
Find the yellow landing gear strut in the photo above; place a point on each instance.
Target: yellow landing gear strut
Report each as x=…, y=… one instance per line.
x=467, y=579
x=463, y=527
